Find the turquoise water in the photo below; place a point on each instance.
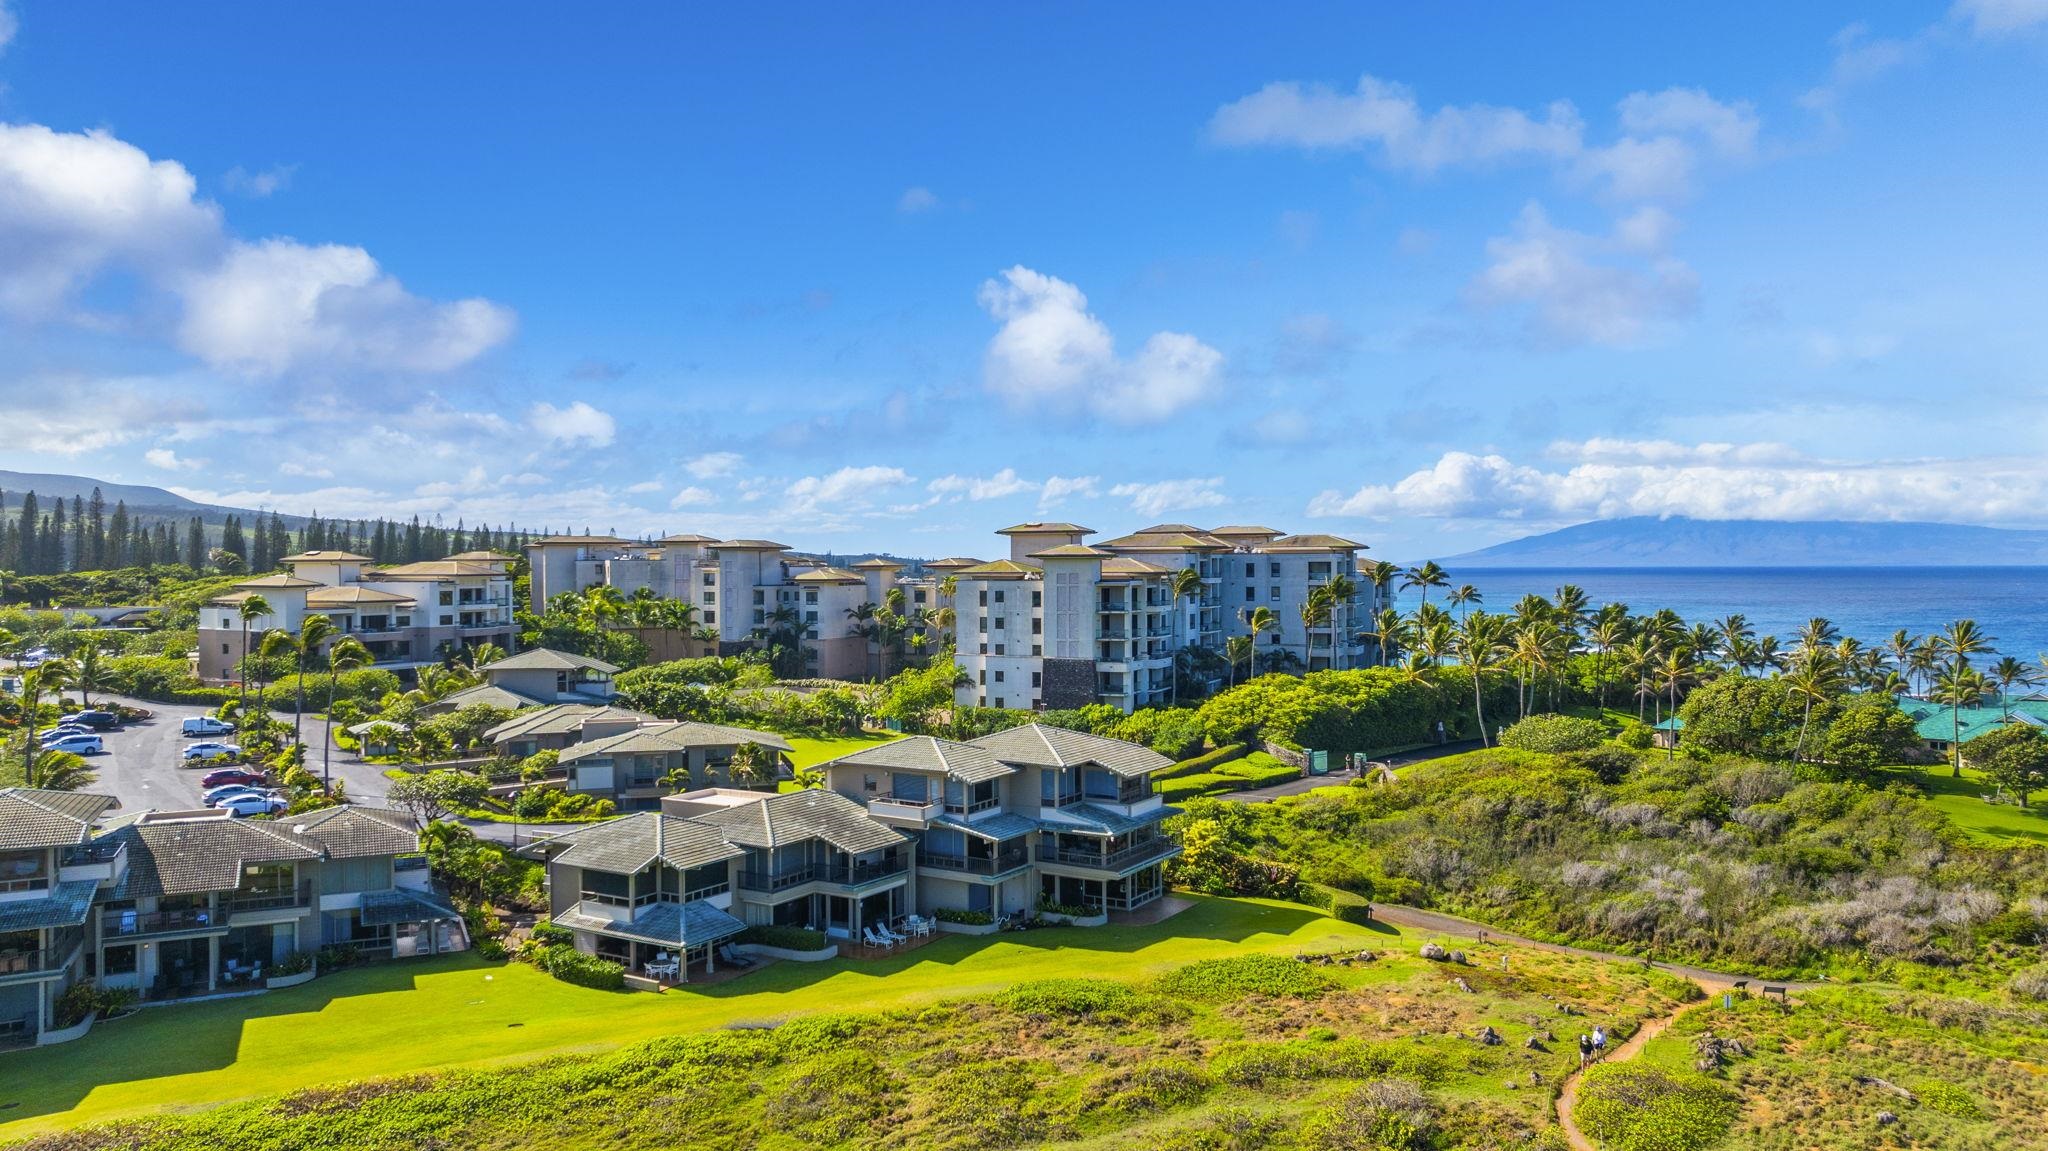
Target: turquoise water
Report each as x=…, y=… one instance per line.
x=2010, y=604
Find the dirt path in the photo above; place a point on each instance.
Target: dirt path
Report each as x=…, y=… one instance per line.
x=1568, y=1097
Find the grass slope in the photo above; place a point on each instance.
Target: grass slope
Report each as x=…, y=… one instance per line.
x=810, y=751
x=1962, y=800
x=432, y=1014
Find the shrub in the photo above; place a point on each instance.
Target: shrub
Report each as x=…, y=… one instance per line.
x=1351, y=907
x=1070, y=910
x=1392, y=1113
x=549, y=935
x=2031, y=983
x=572, y=966
x=1554, y=734
x=1155, y=1085
x=83, y=999
x=1189, y=786
x=786, y=938
x=1259, y=770
x=1634, y=1107
x=1637, y=735
x=1205, y=762
x=1101, y=1000
x=297, y=963
x=1949, y=1099
x=1239, y=976
x=962, y=915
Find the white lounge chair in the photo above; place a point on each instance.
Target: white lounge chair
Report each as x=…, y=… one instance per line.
x=868, y=935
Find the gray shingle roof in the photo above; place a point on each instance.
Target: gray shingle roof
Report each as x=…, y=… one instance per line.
x=561, y=718
x=352, y=832
x=690, y=924
x=1036, y=745
x=66, y=906
x=31, y=817
x=396, y=906
x=548, y=659
x=627, y=844
x=1006, y=825
x=795, y=816
x=185, y=856
x=486, y=693
x=1096, y=820
x=965, y=762
x=658, y=738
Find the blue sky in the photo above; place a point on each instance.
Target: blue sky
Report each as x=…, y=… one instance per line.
x=1428, y=278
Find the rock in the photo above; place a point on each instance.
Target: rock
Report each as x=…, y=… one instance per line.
x=1458, y=957
x=1510, y=1084
x=1886, y=1119
x=1533, y=1043
x=1435, y=951
x=1462, y=985
x=1489, y=1036
x=1549, y=1036
x=1535, y=1078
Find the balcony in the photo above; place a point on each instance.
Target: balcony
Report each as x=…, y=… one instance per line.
x=903, y=809
x=129, y=924
x=243, y=903
x=1137, y=854
x=840, y=874
x=1008, y=859
x=14, y=964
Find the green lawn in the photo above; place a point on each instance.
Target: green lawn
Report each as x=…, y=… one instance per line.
x=426, y=1014
x=810, y=752
x=1962, y=801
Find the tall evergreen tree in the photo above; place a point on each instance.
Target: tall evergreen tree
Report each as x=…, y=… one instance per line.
x=195, y=545
x=29, y=551
x=231, y=540
x=96, y=532
x=114, y=552
x=52, y=539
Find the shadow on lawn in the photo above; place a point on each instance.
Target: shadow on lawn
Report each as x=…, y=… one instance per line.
x=182, y=1039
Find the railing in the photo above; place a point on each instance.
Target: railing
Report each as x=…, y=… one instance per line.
x=35, y=882
x=772, y=881
x=264, y=901
x=864, y=872
x=24, y=962
x=977, y=806
x=706, y=892
x=888, y=808
x=1151, y=848
x=1005, y=860
x=89, y=853
x=155, y=922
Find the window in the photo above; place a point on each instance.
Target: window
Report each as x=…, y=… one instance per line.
x=405, y=621
x=1250, y=570
x=810, y=597
x=917, y=596
x=1274, y=593
x=119, y=961
x=867, y=783
x=999, y=651
x=1037, y=650
x=447, y=598
x=710, y=579
x=999, y=701
x=710, y=597
x=999, y=623
x=447, y=620
x=981, y=676
x=810, y=617
x=984, y=597
x=1036, y=677
x=984, y=624
x=223, y=651
x=1038, y=599
x=760, y=616
x=999, y=597
x=710, y=617
x=1037, y=625
x=1273, y=569
x=762, y=596
x=981, y=701
x=1251, y=594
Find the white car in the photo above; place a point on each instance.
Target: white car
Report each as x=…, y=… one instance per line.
x=209, y=749
x=214, y=795
x=75, y=744
x=252, y=804
x=205, y=725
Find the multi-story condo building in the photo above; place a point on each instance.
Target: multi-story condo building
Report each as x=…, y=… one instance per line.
x=998, y=825
x=178, y=903
x=408, y=615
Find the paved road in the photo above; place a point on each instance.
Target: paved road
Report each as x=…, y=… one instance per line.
x=1339, y=778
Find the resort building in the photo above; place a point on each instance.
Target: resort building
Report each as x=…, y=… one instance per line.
x=998, y=826
x=408, y=616
x=1940, y=728
x=180, y=903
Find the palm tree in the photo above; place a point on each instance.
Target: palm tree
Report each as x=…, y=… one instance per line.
x=251, y=609
x=1466, y=595
x=1816, y=678
x=1959, y=687
x=1256, y=620
x=1605, y=633
x=1340, y=591
x=58, y=771
x=347, y=654
x=275, y=644
x=314, y=630
x=1389, y=633
x=1425, y=576
x=1673, y=673
x=1478, y=646
x=52, y=675
x=1238, y=649
x=2007, y=672
x=1185, y=582
x=1315, y=613
x=1817, y=632
x=92, y=670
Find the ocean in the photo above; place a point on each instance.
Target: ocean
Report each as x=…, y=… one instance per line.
x=2009, y=603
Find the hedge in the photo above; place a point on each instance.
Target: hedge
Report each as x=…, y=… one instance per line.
x=1260, y=770
x=569, y=965
x=787, y=938
x=1189, y=786
x=1348, y=906
x=1204, y=762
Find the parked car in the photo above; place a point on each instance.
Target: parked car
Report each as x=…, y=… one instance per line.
x=209, y=749
x=75, y=744
x=213, y=795
x=205, y=725
x=232, y=776
x=65, y=729
x=253, y=803
x=99, y=720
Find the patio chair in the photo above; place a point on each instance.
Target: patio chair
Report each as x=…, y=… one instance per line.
x=255, y=973
x=727, y=955
x=868, y=935
x=883, y=930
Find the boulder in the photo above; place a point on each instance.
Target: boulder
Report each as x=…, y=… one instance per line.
x=1435, y=951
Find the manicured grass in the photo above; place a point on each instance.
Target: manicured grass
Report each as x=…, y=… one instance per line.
x=428, y=1014
x=1962, y=801
x=810, y=752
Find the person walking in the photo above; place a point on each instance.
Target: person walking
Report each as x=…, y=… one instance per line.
x=1599, y=1042
x=1585, y=1050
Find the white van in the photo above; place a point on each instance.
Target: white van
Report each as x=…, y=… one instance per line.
x=205, y=725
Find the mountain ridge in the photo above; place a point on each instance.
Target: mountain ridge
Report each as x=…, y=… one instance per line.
x=149, y=503
x=1681, y=541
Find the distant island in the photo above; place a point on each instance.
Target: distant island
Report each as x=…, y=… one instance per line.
x=1678, y=541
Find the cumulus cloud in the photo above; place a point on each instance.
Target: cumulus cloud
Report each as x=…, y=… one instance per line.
x=1663, y=136
x=76, y=206
x=8, y=26
x=1052, y=352
x=577, y=424
x=308, y=471
x=713, y=465
x=914, y=200
x=1607, y=478
x=1986, y=17
x=1172, y=495
x=260, y=184
x=1004, y=483
x=170, y=461
x=1580, y=289
x=849, y=486
x=692, y=497
x=1059, y=489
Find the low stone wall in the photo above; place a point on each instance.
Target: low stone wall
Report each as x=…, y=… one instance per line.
x=1286, y=755
x=280, y=982
x=1096, y=920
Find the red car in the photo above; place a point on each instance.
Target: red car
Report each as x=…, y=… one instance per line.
x=228, y=775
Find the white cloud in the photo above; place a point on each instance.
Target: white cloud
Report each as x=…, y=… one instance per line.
x=579, y=423
x=916, y=200
x=1052, y=352
x=170, y=461
x=1283, y=426
x=713, y=465
x=1603, y=479
x=75, y=206
x=258, y=185
x=1986, y=17
x=9, y=25
x=268, y=306
x=294, y=468
x=692, y=497
x=643, y=487
x=1578, y=289
x=847, y=486
x=1059, y=489
x=1172, y=495
x=1004, y=483
x=1663, y=132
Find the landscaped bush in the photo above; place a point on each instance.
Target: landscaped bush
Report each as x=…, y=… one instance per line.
x=1102, y=1000
x=1189, y=786
x=1348, y=906
x=1239, y=976
x=786, y=938
x=1634, y=1107
x=1205, y=762
x=963, y=916
x=297, y=963
x=1259, y=770
x=1553, y=733
x=549, y=935
x=569, y=965
x=1070, y=910
x=87, y=998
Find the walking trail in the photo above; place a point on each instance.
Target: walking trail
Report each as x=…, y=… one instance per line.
x=1712, y=982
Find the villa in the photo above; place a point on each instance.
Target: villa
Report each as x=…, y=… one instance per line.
x=172, y=904
x=1939, y=728
x=997, y=826
x=534, y=678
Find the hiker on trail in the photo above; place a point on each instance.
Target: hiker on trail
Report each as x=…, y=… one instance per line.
x=1585, y=1049
x=1599, y=1041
